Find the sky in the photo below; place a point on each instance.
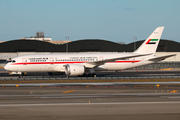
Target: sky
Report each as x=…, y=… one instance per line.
x=112, y=20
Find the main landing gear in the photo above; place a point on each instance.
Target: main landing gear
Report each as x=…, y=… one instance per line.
x=21, y=75
x=88, y=75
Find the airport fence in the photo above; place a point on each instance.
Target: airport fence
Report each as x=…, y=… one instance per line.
x=88, y=78
x=160, y=65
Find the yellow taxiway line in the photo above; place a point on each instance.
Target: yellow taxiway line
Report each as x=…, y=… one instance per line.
x=68, y=91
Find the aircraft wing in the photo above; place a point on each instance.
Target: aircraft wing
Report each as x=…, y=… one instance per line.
x=161, y=57
x=100, y=62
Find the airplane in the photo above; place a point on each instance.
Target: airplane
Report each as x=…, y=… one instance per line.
x=85, y=64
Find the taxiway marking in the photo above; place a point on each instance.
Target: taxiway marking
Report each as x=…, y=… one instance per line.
x=68, y=91
x=110, y=103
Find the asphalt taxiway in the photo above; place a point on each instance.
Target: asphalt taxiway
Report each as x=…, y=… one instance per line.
x=90, y=102
x=87, y=101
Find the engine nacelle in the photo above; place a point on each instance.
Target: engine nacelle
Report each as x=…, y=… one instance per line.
x=74, y=70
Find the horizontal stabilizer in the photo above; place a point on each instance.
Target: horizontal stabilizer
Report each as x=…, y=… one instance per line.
x=161, y=58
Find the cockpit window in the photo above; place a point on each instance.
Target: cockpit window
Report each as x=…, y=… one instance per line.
x=11, y=61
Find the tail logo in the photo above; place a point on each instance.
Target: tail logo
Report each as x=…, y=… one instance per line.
x=152, y=41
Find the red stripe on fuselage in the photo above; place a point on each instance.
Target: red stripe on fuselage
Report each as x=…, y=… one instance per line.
x=131, y=61
x=45, y=63
x=36, y=63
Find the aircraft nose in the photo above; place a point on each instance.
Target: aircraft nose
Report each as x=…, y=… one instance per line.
x=6, y=67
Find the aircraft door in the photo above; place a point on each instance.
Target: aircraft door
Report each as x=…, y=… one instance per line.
x=101, y=58
x=133, y=60
x=51, y=59
x=24, y=60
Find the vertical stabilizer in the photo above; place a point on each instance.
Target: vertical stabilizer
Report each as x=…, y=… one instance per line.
x=151, y=43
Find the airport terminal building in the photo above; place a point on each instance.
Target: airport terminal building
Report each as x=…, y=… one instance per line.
x=14, y=48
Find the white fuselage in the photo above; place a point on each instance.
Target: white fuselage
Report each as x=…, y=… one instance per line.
x=75, y=64
x=56, y=62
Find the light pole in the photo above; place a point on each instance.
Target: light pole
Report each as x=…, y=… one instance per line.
x=67, y=38
x=67, y=47
x=134, y=38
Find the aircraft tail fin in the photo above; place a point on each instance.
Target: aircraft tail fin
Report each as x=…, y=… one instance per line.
x=151, y=43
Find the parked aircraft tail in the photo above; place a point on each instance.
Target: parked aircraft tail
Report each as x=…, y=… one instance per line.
x=151, y=43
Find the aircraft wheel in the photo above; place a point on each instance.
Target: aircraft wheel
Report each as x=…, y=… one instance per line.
x=94, y=75
x=49, y=73
x=91, y=75
x=84, y=75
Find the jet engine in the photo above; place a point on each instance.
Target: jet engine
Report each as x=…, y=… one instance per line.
x=74, y=70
